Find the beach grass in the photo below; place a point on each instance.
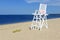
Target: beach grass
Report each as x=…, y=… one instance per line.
x=16, y=30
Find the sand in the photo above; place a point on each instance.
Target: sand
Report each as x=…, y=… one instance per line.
x=20, y=31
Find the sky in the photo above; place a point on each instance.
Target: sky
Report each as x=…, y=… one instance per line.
x=27, y=7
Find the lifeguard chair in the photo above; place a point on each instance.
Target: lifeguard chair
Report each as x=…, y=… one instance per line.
x=40, y=18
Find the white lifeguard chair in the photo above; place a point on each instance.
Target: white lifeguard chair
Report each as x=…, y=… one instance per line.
x=40, y=18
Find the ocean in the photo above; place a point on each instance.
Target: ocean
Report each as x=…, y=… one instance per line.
x=7, y=19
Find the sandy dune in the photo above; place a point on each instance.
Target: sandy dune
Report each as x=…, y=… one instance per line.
x=52, y=33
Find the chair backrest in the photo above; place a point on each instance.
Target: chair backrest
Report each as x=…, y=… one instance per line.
x=42, y=8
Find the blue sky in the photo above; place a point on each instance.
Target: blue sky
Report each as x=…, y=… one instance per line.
x=24, y=7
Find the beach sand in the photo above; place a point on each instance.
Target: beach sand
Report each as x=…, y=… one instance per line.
x=8, y=31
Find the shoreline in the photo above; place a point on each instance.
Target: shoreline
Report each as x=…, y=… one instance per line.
x=26, y=21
